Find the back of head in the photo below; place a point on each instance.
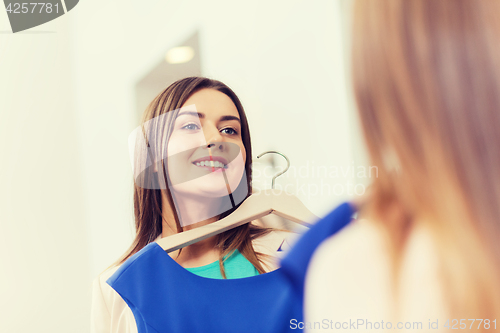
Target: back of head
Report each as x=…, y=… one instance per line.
x=427, y=83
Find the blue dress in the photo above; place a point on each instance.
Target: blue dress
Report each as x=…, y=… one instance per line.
x=165, y=297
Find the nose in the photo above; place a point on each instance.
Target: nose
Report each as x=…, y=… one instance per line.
x=213, y=138
x=217, y=145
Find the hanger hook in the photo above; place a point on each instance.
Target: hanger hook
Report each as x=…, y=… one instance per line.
x=282, y=172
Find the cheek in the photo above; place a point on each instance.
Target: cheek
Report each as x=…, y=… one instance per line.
x=243, y=153
x=179, y=143
x=172, y=148
x=179, y=150
x=175, y=145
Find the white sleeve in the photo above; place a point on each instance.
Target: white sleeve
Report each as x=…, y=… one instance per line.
x=109, y=312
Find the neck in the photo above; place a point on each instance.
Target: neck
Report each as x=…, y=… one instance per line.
x=193, y=213
x=193, y=209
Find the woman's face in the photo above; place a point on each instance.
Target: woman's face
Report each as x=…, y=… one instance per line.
x=206, y=156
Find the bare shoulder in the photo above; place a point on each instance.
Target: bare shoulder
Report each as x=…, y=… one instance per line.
x=359, y=247
x=359, y=236
x=349, y=277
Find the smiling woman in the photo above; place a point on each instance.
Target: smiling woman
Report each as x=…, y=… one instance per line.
x=206, y=156
x=192, y=166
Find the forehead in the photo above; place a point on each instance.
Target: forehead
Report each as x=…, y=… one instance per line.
x=211, y=102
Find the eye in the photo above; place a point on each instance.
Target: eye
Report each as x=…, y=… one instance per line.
x=190, y=127
x=229, y=130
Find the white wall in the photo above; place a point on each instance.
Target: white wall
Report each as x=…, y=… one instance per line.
x=285, y=59
x=44, y=261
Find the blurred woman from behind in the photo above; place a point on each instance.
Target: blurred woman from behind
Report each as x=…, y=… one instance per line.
x=426, y=77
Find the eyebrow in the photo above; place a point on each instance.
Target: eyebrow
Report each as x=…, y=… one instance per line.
x=226, y=118
x=191, y=113
x=201, y=116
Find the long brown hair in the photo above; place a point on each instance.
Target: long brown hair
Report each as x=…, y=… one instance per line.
x=157, y=124
x=427, y=83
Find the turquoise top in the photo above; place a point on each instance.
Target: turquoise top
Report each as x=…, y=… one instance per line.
x=236, y=266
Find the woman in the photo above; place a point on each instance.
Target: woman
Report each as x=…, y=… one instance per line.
x=426, y=255
x=192, y=166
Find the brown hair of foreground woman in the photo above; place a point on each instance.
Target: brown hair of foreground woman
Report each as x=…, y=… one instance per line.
x=427, y=83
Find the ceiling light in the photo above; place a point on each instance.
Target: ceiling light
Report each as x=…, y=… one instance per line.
x=179, y=55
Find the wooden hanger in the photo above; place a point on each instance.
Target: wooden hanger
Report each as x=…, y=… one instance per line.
x=255, y=206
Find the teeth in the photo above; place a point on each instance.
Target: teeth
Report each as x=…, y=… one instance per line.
x=215, y=164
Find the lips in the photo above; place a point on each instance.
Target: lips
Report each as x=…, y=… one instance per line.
x=211, y=162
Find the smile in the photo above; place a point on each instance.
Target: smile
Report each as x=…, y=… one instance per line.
x=211, y=164
x=215, y=163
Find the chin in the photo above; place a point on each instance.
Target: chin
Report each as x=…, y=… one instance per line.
x=209, y=186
